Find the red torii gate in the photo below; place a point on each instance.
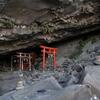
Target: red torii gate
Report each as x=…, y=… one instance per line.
x=48, y=50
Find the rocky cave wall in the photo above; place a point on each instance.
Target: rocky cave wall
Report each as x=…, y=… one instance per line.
x=26, y=24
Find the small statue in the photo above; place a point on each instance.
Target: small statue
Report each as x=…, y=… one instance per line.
x=21, y=82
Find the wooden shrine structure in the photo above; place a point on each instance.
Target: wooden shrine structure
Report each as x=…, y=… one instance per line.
x=22, y=60
x=48, y=50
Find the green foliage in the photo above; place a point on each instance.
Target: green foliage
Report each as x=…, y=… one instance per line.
x=5, y=23
x=85, y=40
x=47, y=28
x=82, y=43
x=94, y=40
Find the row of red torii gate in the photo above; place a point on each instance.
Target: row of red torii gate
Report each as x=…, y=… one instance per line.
x=25, y=59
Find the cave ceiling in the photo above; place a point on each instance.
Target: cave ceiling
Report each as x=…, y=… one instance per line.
x=27, y=23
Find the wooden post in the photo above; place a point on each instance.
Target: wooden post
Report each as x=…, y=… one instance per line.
x=54, y=63
x=20, y=63
x=43, y=67
x=22, y=66
x=29, y=62
x=11, y=63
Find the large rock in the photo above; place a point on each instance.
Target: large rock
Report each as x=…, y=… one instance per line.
x=8, y=82
x=75, y=92
x=93, y=79
x=49, y=83
x=49, y=89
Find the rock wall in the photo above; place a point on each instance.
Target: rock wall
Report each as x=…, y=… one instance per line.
x=27, y=23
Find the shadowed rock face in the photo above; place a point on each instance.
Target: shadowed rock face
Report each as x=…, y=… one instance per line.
x=26, y=23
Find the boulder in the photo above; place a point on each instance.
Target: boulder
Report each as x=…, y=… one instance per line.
x=8, y=82
x=75, y=92
x=93, y=79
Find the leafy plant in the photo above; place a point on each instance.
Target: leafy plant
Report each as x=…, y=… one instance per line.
x=6, y=23
x=47, y=28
